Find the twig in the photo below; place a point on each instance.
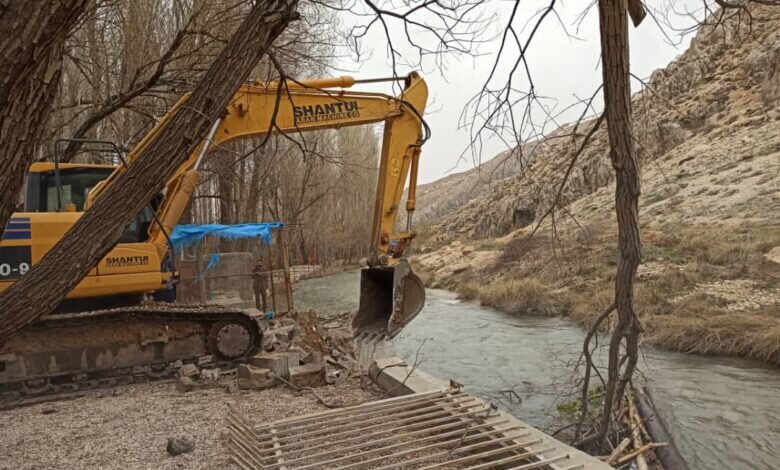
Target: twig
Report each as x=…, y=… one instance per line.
x=637, y=452
x=316, y=395
x=618, y=450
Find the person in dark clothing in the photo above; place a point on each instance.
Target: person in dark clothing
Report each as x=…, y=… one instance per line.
x=260, y=285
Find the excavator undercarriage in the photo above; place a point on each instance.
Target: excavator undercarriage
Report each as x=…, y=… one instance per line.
x=70, y=352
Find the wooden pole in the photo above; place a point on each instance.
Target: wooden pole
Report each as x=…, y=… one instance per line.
x=669, y=455
x=286, y=265
x=271, y=275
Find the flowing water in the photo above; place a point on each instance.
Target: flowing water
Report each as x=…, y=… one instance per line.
x=723, y=413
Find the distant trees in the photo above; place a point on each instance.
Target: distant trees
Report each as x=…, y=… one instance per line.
x=322, y=186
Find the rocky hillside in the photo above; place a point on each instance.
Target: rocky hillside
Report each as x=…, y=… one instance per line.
x=448, y=194
x=708, y=130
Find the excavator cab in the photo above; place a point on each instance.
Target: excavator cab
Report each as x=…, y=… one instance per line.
x=390, y=297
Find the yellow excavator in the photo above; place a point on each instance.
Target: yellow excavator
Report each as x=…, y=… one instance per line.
x=126, y=340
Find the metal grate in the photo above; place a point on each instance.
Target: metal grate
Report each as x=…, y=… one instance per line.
x=443, y=429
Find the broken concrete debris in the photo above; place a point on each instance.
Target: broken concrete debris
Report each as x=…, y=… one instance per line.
x=297, y=350
x=279, y=363
x=185, y=384
x=189, y=370
x=314, y=357
x=308, y=375
x=210, y=375
x=255, y=378
x=180, y=445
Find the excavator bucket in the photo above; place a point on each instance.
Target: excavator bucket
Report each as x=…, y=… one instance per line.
x=390, y=297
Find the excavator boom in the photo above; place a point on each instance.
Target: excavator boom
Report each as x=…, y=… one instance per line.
x=391, y=295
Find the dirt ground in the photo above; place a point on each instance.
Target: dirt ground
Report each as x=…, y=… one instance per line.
x=128, y=427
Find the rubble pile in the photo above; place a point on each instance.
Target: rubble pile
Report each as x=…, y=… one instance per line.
x=297, y=350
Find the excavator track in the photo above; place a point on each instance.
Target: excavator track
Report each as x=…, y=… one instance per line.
x=68, y=353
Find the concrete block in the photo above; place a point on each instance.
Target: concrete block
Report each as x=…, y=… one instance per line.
x=309, y=375
x=255, y=378
x=314, y=357
x=185, y=384
x=396, y=377
x=278, y=362
x=189, y=370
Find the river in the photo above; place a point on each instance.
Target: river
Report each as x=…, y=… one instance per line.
x=723, y=413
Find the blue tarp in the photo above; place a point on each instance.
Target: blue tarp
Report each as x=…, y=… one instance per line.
x=187, y=234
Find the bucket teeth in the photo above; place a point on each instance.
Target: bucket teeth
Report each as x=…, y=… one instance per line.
x=370, y=337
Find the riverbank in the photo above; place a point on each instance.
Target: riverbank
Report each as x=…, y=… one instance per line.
x=128, y=427
x=712, y=290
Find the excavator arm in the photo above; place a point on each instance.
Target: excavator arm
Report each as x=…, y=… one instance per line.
x=391, y=295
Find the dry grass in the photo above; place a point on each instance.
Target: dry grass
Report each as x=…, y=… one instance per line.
x=749, y=335
x=579, y=283
x=522, y=297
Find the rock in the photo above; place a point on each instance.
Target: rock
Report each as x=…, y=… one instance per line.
x=255, y=378
x=774, y=255
x=309, y=375
x=188, y=370
x=459, y=268
x=185, y=384
x=180, y=445
x=667, y=190
x=467, y=250
x=278, y=339
x=210, y=375
x=277, y=362
x=312, y=358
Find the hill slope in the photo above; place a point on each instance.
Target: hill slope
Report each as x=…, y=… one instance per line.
x=709, y=137
x=708, y=134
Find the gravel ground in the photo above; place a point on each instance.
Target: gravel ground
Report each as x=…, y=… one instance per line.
x=128, y=427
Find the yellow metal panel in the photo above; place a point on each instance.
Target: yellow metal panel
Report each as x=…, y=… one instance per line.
x=128, y=268
x=43, y=167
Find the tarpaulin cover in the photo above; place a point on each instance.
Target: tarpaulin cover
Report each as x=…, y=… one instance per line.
x=189, y=234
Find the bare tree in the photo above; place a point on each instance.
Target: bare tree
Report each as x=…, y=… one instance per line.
x=44, y=287
x=32, y=41
x=615, y=67
x=509, y=108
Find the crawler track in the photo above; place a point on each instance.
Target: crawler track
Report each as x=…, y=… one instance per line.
x=65, y=354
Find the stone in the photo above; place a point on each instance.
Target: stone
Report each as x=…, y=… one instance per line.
x=312, y=358
x=308, y=375
x=459, y=268
x=467, y=250
x=185, y=384
x=774, y=255
x=180, y=445
x=255, y=378
x=188, y=370
x=667, y=190
x=278, y=339
x=210, y=375
x=277, y=362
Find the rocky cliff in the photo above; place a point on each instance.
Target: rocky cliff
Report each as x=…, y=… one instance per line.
x=708, y=131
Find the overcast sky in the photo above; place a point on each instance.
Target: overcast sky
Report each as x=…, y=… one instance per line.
x=563, y=68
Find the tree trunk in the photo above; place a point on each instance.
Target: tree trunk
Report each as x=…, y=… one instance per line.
x=97, y=231
x=617, y=102
x=32, y=42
